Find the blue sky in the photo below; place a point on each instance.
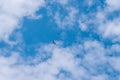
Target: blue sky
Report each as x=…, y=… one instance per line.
x=86, y=35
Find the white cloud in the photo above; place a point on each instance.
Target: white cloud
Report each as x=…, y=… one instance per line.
x=115, y=63
x=12, y=12
x=110, y=29
x=82, y=25
x=11, y=69
x=66, y=21
x=103, y=21
x=97, y=21
x=89, y=60
x=113, y=4
x=81, y=61
x=99, y=77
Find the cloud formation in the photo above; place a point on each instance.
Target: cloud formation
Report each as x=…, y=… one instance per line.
x=113, y=4
x=93, y=56
x=89, y=60
x=12, y=12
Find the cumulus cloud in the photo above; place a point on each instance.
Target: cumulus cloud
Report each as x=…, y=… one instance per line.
x=111, y=28
x=82, y=61
x=87, y=60
x=96, y=20
x=113, y=4
x=12, y=12
x=104, y=21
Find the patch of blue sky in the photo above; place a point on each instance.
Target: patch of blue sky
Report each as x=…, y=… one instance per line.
x=92, y=6
x=45, y=30
x=54, y=7
x=113, y=15
x=63, y=74
x=2, y=44
x=42, y=30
